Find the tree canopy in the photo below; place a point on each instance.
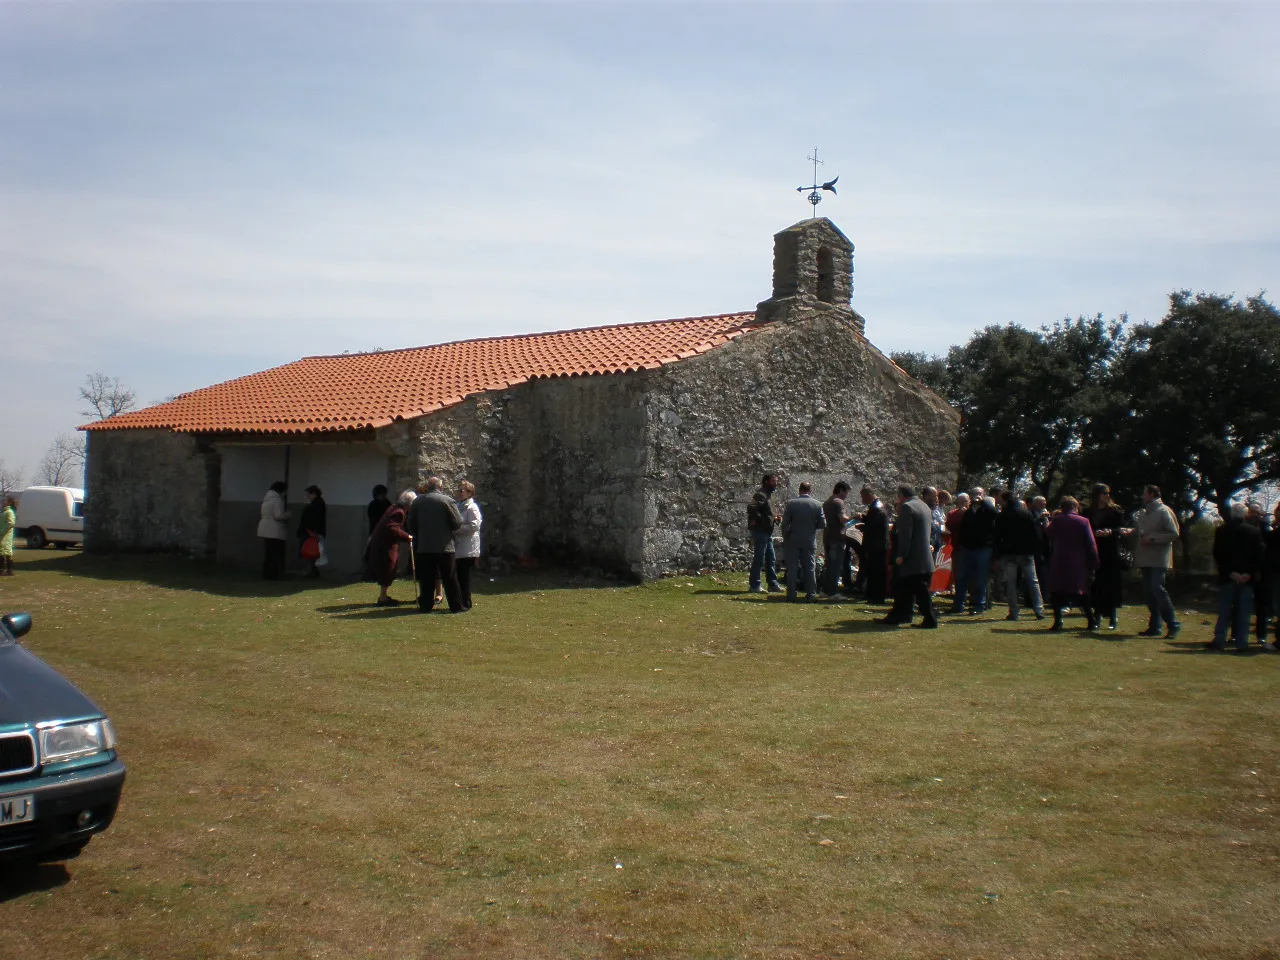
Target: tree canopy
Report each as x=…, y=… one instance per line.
x=1189, y=402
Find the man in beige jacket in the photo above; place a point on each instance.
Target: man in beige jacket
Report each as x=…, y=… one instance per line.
x=1156, y=529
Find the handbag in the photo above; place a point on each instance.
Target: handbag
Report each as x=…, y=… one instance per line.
x=310, y=549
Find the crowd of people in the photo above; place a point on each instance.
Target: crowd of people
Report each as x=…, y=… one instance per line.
x=967, y=552
x=985, y=545
x=443, y=534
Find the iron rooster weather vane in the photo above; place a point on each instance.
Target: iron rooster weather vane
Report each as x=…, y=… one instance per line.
x=815, y=189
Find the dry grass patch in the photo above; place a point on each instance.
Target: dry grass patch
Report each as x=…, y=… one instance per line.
x=578, y=770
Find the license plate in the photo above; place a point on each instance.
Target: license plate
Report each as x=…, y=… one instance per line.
x=17, y=810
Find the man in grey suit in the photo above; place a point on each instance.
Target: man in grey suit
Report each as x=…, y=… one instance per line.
x=801, y=521
x=431, y=522
x=913, y=562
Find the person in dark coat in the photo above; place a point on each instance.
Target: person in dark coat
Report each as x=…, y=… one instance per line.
x=312, y=524
x=874, y=559
x=1271, y=577
x=432, y=520
x=977, y=536
x=1240, y=555
x=382, y=555
x=913, y=561
x=835, y=518
x=1017, y=543
x=1072, y=561
x=1109, y=531
x=1257, y=517
x=377, y=506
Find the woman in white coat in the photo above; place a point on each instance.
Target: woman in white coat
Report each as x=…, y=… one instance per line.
x=273, y=532
x=466, y=539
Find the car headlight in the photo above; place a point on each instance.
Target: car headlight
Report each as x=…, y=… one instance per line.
x=69, y=741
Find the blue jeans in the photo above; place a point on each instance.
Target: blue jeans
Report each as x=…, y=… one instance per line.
x=1159, y=606
x=1013, y=564
x=972, y=581
x=1237, y=597
x=762, y=557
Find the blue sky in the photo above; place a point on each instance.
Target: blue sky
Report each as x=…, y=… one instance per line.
x=192, y=192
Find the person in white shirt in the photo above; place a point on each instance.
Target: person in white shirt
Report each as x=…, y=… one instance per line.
x=466, y=539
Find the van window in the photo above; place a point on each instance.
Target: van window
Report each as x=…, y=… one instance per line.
x=77, y=508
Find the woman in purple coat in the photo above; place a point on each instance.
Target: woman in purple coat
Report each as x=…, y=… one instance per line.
x=1073, y=560
x=382, y=555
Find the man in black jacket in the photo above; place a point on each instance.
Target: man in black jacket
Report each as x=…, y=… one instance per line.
x=1239, y=553
x=1017, y=542
x=875, y=547
x=978, y=537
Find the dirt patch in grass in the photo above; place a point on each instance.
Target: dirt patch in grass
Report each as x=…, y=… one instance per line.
x=676, y=769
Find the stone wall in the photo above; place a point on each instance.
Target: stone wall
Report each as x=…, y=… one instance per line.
x=150, y=490
x=557, y=465
x=809, y=399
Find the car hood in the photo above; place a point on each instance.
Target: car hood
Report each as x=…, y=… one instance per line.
x=32, y=691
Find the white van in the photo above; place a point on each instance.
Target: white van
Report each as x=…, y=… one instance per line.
x=51, y=515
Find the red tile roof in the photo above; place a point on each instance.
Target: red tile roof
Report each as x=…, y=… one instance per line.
x=364, y=390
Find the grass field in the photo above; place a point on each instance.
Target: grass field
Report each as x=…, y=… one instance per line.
x=576, y=769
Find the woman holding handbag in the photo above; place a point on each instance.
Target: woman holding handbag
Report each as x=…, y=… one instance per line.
x=312, y=524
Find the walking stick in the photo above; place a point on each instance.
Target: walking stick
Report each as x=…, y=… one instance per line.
x=413, y=570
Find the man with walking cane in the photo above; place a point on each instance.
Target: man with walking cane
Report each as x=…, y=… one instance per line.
x=431, y=522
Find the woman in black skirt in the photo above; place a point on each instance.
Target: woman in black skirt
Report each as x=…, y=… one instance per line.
x=1109, y=531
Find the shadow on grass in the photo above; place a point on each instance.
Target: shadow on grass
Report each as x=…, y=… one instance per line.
x=25, y=876
x=175, y=572
x=388, y=613
x=1199, y=646
x=860, y=626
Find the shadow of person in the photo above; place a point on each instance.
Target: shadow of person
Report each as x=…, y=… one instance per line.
x=385, y=613
x=857, y=626
x=26, y=876
x=348, y=607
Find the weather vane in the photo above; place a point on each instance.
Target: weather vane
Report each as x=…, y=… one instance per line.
x=815, y=188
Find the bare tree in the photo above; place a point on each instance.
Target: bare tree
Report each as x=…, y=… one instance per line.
x=12, y=479
x=63, y=462
x=106, y=396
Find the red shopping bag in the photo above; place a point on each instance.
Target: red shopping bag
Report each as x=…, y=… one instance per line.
x=941, y=581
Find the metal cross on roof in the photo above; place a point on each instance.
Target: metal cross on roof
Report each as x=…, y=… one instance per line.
x=815, y=188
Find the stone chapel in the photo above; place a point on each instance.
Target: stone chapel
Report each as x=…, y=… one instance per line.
x=630, y=448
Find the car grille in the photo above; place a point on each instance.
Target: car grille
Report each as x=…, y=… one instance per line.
x=17, y=753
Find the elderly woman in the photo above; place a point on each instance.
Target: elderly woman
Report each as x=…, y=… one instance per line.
x=1072, y=561
x=273, y=532
x=382, y=555
x=466, y=539
x=8, y=520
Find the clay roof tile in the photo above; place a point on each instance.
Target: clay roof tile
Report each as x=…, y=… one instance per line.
x=364, y=390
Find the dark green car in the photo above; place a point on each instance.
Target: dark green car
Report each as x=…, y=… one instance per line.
x=60, y=778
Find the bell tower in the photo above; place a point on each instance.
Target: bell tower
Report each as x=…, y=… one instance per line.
x=812, y=270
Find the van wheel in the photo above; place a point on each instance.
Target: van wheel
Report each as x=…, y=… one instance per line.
x=36, y=540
